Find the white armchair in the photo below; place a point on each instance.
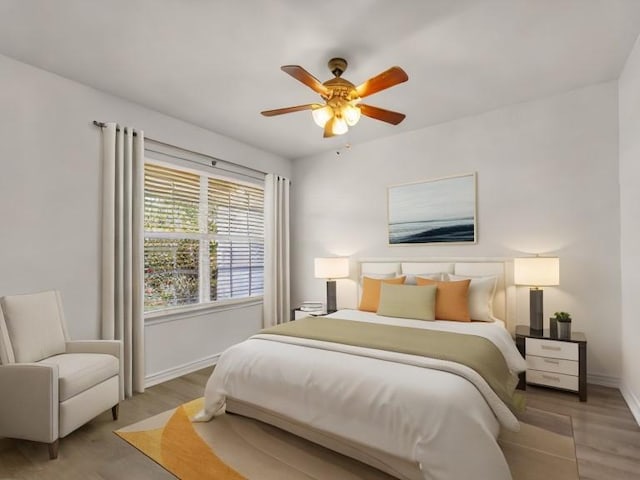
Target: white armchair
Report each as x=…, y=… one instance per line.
x=50, y=385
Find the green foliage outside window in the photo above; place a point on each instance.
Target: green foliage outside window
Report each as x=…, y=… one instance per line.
x=171, y=273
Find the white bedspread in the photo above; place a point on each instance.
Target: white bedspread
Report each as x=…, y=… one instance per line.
x=435, y=418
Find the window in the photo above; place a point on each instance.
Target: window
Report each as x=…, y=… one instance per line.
x=204, y=238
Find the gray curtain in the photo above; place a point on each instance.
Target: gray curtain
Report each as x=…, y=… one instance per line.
x=276, y=300
x=123, y=248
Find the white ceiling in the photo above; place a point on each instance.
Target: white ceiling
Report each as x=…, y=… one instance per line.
x=215, y=63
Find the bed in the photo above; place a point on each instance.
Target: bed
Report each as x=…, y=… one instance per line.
x=413, y=417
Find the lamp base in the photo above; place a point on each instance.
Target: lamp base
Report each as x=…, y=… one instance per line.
x=331, y=296
x=535, y=310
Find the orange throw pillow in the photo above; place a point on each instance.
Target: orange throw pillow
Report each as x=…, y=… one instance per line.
x=371, y=292
x=452, y=301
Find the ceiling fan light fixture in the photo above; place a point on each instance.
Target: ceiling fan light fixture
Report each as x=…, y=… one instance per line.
x=342, y=108
x=351, y=114
x=339, y=126
x=322, y=115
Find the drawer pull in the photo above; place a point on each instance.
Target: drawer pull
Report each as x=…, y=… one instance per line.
x=546, y=347
x=554, y=362
x=549, y=377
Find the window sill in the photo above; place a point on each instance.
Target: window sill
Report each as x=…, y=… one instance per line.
x=179, y=313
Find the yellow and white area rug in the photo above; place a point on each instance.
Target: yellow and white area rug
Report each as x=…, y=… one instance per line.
x=233, y=447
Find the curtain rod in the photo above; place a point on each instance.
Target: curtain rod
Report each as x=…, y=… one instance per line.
x=214, y=162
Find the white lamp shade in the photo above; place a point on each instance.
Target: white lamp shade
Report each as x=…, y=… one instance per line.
x=339, y=126
x=537, y=271
x=351, y=114
x=322, y=115
x=334, y=267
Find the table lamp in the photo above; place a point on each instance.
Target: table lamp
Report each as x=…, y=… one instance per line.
x=331, y=268
x=536, y=272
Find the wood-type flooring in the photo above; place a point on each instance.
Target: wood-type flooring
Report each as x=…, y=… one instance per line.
x=606, y=435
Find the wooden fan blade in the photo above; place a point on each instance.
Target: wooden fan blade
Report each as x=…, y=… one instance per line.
x=300, y=74
x=382, y=81
x=328, y=128
x=297, y=108
x=381, y=114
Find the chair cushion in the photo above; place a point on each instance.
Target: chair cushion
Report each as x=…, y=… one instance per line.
x=78, y=372
x=34, y=325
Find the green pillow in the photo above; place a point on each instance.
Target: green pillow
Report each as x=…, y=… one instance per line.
x=408, y=301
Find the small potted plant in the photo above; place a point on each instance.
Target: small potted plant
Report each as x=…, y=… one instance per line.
x=563, y=320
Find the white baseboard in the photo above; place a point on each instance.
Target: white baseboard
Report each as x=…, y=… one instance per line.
x=632, y=401
x=180, y=370
x=603, y=380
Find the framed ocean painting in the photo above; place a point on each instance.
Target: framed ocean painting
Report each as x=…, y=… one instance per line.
x=434, y=211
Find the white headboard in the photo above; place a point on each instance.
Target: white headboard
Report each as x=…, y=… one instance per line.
x=504, y=301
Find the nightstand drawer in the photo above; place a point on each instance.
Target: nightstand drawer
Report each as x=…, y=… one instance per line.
x=553, y=362
x=552, y=349
x=556, y=365
x=568, y=382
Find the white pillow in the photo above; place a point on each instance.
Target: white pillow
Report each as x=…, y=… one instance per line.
x=411, y=277
x=481, y=292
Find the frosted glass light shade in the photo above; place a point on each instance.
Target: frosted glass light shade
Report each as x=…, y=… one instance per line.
x=322, y=115
x=537, y=271
x=351, y=114
x=334, y=267
x=339, y=126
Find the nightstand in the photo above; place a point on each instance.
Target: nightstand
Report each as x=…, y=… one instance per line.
x=554, y=362
x=297, y=314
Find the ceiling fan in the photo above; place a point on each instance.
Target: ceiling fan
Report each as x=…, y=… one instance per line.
x=342, y=107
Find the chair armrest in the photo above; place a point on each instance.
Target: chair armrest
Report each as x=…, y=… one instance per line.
x=110, y=347
x=29, y=401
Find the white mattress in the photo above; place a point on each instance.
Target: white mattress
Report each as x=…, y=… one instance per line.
x=436, y=419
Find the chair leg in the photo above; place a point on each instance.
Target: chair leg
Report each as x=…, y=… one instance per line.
x=114, y=411
x=53, y=449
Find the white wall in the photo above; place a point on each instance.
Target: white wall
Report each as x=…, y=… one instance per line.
x=547, y=183
x=50, y=181
x=629, y=111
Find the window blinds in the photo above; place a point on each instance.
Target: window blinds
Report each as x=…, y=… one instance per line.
x=204, y=238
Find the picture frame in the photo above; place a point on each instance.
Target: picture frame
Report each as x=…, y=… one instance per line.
x=440, y=211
